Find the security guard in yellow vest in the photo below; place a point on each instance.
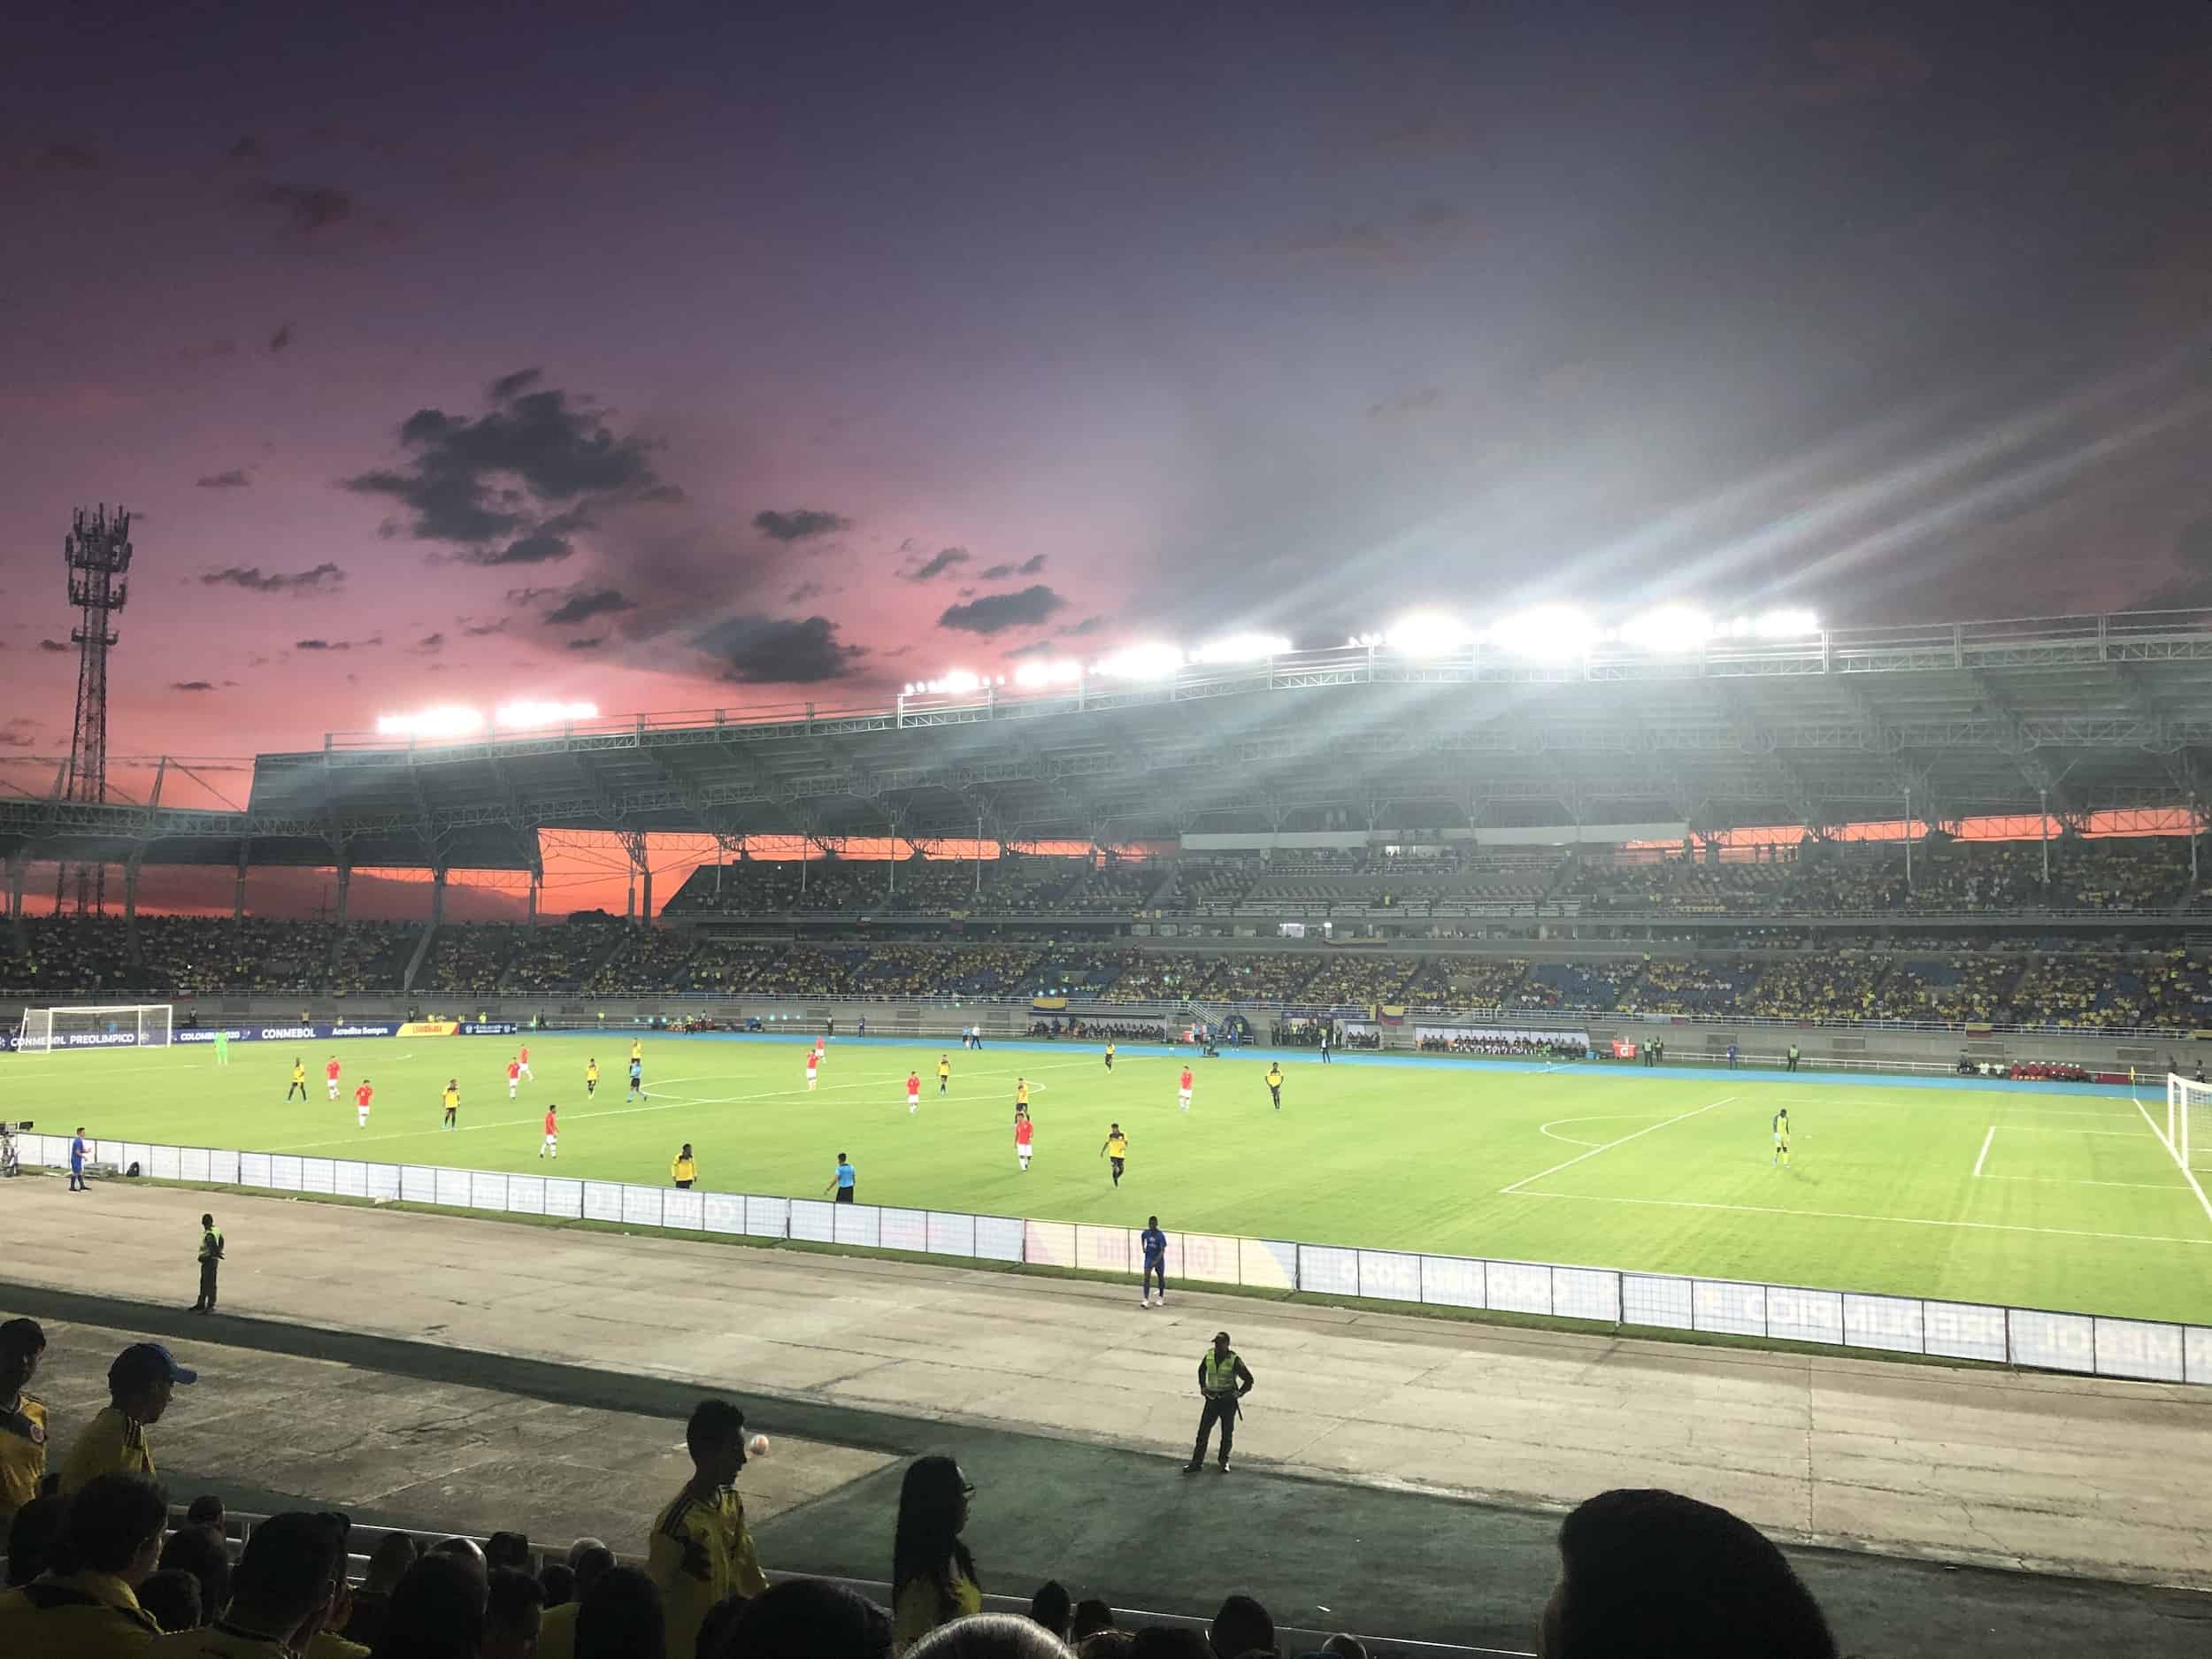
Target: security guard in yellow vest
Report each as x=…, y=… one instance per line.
x=1225, y=1380
x=211, y=1259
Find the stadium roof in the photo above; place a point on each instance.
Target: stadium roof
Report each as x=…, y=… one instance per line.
x=2083, y=714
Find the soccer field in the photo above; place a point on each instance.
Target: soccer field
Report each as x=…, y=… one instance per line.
x=2051, y=1198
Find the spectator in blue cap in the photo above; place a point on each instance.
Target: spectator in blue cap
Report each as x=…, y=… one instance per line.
x=140, y=1382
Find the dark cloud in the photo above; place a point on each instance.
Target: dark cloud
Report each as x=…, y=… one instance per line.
x=997, y=572
x=994, y=614
x=1839, y=70
x=53, y=645
x=431, y=643
x=236, y=479
x=1412, y=402
x=321, y=579
x=540, y=547
x=247, y=149
x=939, y=563
x=1030, y=566
x=282, y=338
x=485, y=630
x=529, y=595
x=514, y=484
x=311, y=207
x=191, y=685
x=371, y=643
x=581, y=607
x=1076, y=630
x=1431, y=229
x=591, y=644
x=69, y=158
x=804, y=592
x=802, y=524
x=757, y=651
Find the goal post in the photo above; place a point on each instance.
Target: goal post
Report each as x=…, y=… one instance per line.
x=2183, y=1097
x=124, y=1025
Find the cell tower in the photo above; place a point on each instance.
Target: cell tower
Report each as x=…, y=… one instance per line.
x=97, y=552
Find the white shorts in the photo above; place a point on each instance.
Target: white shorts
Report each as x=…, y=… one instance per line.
x=1023, y=1153
x=527, y=1073
x=363, y=1113
x=511, y=1088
x=913, y=1097
x=552, y=1141
x=1184, y=1096
x=810, y=1080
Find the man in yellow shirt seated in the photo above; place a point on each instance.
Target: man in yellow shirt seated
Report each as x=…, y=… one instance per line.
x=111, y=1537
x=284, y=1589
x=140, y=1384
x=22, y=1419
x=701, y=1549
x=590, y=1561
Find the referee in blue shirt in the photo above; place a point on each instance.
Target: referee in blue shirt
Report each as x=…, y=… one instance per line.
x=1155, y=1243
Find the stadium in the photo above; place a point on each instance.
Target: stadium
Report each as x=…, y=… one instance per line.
x=1799, y=992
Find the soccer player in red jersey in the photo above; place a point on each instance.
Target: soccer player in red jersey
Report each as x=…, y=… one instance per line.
x=330, y=1076
x=813, y=1060
x=361, y=1097
x=523, y=1060
x=552, y=1147
x=514, y=1076
x=1024, y=1129
x=1185, y=1088
x=913, y=1091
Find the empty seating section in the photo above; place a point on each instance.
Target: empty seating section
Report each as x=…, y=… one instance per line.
x=1593, y=985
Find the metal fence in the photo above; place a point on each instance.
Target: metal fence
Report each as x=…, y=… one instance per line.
x=2089, y=1344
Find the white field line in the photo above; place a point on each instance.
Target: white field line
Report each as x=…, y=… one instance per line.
x=2068, y=1180
x=1608, y=1146
x=1984, y=1158
x=673, y=1104
x=1845, y=1215
x=2187, y=1174
x=2060, y=1129
x=1546, y=1128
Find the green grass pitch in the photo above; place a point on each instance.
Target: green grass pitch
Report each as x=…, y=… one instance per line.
x=2054, y=1198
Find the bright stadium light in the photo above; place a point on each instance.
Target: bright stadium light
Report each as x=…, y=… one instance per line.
x=1785, y=624
x=1241, y=648
x=1141, y=662
x=446, y=720
x=1545, y=634
x=1059, y=670
x=524, y=714
x=1668, y=628
x=957, y=682
x=1428, y=633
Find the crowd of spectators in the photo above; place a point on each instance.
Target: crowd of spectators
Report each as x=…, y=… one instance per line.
x=554, y=958
x=1829, y=986
x=471, y=960
x=1688, y=984
x=99, y=1566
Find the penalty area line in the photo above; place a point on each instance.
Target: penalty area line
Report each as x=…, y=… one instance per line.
x=1609, y=1145
x=1846, y=1215
x=2187, y=1174
x=1984, y=1158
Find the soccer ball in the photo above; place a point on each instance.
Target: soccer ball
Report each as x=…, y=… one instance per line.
x=758, y=1446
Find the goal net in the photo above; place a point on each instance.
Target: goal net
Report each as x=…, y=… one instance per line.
x=129, y=1025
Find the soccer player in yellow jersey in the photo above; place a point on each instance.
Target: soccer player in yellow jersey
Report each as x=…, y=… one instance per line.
x=1021, y=1096
x=22, y=1419
x=944, y=1074
x=452, y=1103
x=1782, y=1139
x=591, y=1078
x=1116, y=1151
x=637, y=1048
x=701, y=1549
x=299, y=1081
x=1109, y=1057
x=1275, y=1083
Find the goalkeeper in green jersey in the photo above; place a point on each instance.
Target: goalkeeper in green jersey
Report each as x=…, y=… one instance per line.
x=1782, y=1139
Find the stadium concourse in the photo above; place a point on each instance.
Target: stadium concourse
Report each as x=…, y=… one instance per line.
x=1397, y=1478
